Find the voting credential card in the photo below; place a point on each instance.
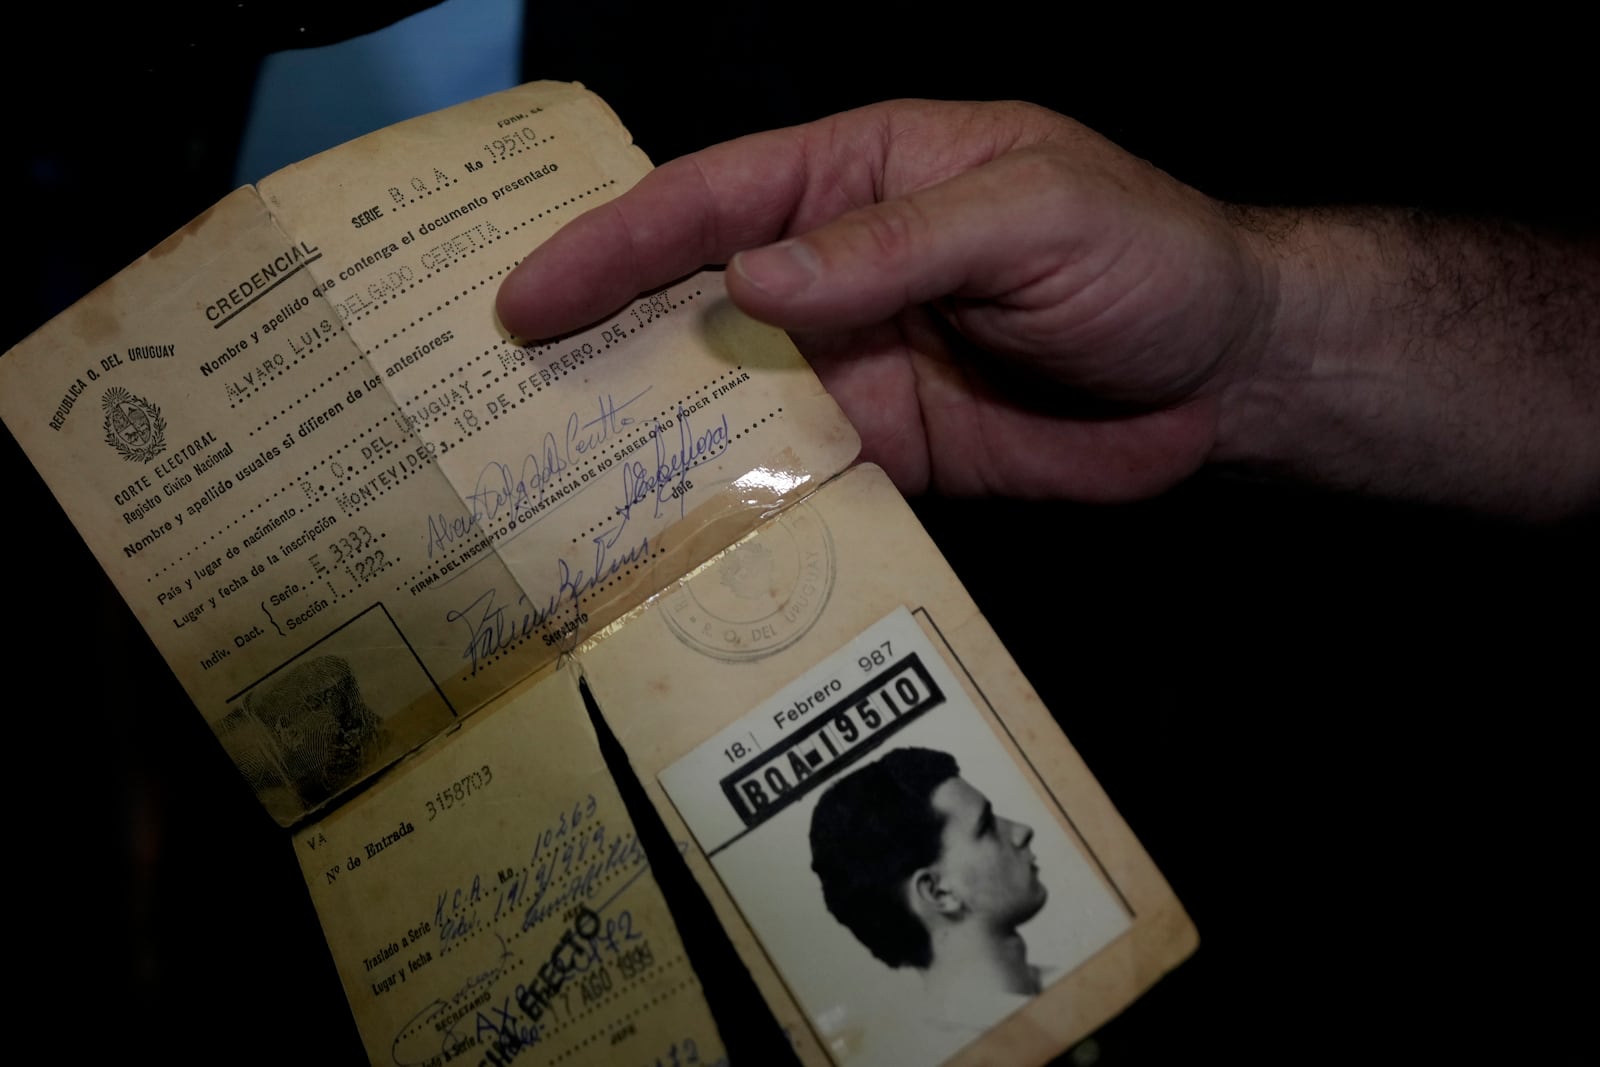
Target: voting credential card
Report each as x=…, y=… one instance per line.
x=352, y=513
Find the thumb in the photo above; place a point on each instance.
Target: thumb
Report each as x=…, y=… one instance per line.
x=978, y=235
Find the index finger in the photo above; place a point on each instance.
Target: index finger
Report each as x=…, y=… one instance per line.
x=693, y=211
x=702, y=208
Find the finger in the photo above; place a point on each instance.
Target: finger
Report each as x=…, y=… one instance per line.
x=704, y=207
x=688, y=213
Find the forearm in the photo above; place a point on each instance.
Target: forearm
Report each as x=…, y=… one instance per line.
x=1422, y=358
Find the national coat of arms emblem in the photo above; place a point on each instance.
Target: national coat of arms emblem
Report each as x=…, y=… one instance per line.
x=134, y=426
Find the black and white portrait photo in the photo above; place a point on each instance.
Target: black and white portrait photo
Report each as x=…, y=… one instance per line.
x=906, y=873
x=918, y=865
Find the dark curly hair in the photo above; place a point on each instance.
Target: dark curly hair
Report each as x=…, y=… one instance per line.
x=870, y=831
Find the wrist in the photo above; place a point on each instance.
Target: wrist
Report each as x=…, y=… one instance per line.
x=1409, y=356
x=1274, y=411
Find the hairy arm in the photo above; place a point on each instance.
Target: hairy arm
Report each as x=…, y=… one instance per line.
x=1455, y=361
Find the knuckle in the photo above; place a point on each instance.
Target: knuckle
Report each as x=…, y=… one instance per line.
x=892, y=231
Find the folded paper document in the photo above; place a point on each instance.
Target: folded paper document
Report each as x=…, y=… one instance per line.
x=395, y=556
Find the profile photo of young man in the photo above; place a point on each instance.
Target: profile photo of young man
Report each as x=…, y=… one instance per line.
x=918, y=865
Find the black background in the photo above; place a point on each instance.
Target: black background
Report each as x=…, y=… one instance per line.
x=1353, y=734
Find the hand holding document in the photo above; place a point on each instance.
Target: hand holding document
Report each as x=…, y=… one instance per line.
x=380, y=541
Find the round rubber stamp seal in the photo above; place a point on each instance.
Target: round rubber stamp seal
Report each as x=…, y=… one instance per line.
x=762, y=595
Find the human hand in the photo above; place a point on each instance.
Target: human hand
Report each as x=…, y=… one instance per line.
x=1000, y=300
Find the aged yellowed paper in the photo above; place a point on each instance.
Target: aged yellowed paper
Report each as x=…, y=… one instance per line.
x=490, y=901
x=830, y=645
x=348, y=508
x=378, y=541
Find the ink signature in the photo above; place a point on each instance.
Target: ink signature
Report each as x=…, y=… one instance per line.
x=672, y=468
x=493, y=625
x=501, y=488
